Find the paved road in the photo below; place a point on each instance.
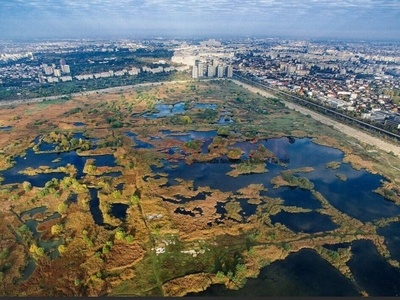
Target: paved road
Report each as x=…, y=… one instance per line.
x=358, y=134
x=107, y=90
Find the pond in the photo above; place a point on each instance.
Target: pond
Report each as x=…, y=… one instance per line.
x=182, y=211
x=247, y=208
x=34, y=211
x=225, y=120
x=28, y=271
x=205, y=136
x=118, y=210
x=166, y=110
x=95, y=207
x=139, y=143
x=199, y=196
x=335, y=247
x=310, y=222
x=205, y=106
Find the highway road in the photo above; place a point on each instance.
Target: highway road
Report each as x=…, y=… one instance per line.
x=350, y=131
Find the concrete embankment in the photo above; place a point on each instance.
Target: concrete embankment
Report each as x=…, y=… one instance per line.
x=350, y=131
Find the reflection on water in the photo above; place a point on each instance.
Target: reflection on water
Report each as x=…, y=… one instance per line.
x=311, y=222
x=95, y=207
x=34, y=211
x=53, y=160
x=294, y=197
x=139, y=143
x=372, y=272
x=392, y=239
x=205, y=106
x=225, y=120
x=247, y=208
x=30, y=268
x=354, y=196
x=213, y=174
x=118, y=210
x=335, y=247
x=303, y=273
x=166, y=110
x=199, y=196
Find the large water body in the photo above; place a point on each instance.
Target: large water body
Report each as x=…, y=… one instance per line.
x=391, y=233
x=372, y=272
x=354, y=196
x=303, y=273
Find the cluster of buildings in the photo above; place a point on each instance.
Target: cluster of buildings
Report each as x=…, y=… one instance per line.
x=131, y=72
x=18, y=62
x=54, y=74
x=51, y=73
x=360, y=78
x=210, y=70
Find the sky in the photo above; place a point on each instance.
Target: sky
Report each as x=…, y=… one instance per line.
x=346, y=19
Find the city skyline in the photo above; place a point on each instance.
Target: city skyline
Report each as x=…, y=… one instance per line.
x=354, y=19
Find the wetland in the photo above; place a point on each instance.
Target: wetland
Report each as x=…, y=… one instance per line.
x=197, y=189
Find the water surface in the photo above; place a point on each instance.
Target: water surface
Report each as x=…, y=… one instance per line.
x=303, y=273
x=310, y=222
x=372, y=272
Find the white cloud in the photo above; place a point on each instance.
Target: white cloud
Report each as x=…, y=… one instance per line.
x=235, y=15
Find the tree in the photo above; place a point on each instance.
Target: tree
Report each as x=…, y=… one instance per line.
x=62, y=249
x=27, y=186
x=134, y=199
x=186, y=120
x=4, y=254
x=120, y=234
x=56, y=229
x=220, y=275
x=105, y=249
x=62, y=208
x=116, y=194
x=39, y=251
x=129, y=238
x=23, y=228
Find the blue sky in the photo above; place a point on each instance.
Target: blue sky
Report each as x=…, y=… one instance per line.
x=361, y=19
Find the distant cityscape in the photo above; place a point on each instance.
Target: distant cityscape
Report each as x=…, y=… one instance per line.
x=359, y=78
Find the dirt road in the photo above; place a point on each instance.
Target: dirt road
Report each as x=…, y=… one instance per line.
x=358, y=134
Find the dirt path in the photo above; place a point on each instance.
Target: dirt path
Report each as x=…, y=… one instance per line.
x=358, y=134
